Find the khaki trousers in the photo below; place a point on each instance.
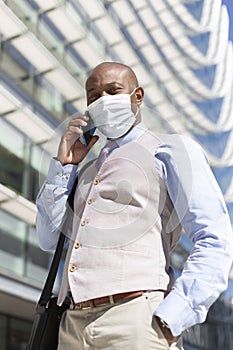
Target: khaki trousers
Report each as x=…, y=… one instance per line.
x=126, y=325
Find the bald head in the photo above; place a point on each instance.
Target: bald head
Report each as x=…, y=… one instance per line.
x=120, y=68
x=110, y=78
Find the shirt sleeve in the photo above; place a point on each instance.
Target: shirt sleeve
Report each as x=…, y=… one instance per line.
x=200, y=206
x=51, y=203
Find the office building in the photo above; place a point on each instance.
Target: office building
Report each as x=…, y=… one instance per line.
x=181, y=52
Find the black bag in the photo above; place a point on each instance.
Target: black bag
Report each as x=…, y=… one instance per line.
x=45, y=327
x=44, y=333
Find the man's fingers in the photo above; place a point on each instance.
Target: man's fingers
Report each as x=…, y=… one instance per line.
x=76, y=123
x=81, y=120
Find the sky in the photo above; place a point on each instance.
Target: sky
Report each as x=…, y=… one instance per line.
x=229, y=4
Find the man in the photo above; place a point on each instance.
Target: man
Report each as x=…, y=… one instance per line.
x=128, y=212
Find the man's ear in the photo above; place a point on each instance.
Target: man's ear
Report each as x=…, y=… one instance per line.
x=139, y=94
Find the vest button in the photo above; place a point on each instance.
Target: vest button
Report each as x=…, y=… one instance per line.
x=77, y=245
x=90, y=201
x=96, y=181
x=73, y=268
x=84, y=222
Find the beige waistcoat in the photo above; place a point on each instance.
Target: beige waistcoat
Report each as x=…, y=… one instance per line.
x=124, y=226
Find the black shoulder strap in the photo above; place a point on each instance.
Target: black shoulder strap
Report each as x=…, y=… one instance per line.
x=48, y=286
x=70, y=199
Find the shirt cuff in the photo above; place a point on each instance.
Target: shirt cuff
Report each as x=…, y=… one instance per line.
x=61, y=176
x=176, y=312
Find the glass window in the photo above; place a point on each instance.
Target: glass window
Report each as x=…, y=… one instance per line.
x=3, y=332
x=12, y=226
x=49, y=97
x=14, y=333
x=50, y=40
x=14, y=155
x=19, y=250
x=40, y=158
x=18, y=334
x=37, y=260
x=12, y=243
x=33, y=184
x=24, y=11
x=11, y=67
x=11, y=169
x=11, y=139
x=14, y=173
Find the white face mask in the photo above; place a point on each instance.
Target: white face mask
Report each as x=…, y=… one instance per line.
x=112, y=114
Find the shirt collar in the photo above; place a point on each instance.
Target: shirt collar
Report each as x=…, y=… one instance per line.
x=133, y=135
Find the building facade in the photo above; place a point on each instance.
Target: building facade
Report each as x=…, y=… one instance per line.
x=181, y=52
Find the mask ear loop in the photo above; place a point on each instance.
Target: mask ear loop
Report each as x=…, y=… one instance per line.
x=133, y=91
x=136, y=114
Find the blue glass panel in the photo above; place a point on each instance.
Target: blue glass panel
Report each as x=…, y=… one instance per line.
x=200, y=41
x=211, y=109
x=230, y=210
x=206, y=75
x=224, y=177
x=195, y=8
x=214, y=143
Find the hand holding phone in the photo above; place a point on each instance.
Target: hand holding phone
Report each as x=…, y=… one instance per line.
x=77, y=140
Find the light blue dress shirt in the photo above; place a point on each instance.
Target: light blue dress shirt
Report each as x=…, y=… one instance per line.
x=200, y=206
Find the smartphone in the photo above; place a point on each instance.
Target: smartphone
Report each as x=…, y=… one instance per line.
x=86, y=137
x=88, y=132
